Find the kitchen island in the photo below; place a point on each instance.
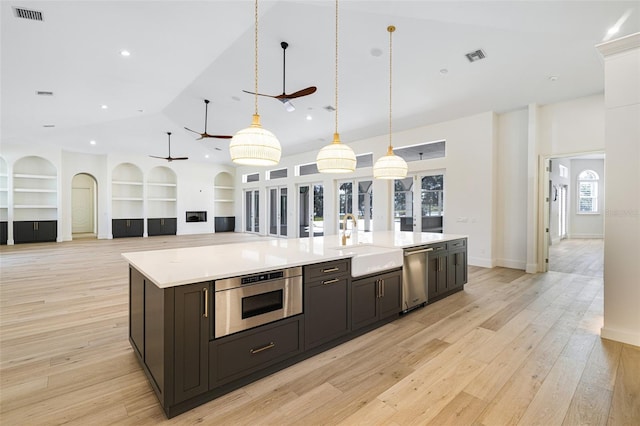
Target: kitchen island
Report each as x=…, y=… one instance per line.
x=206, y=320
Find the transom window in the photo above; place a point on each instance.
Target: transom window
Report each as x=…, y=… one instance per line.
x=588, y=191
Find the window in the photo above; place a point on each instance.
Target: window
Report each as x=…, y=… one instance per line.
x=588, y=192
x=277, y=174
x=253, y=177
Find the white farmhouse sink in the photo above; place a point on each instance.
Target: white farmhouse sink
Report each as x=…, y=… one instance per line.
x=369, y=259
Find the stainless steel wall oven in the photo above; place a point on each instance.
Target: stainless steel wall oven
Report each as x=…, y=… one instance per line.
x=252, y=300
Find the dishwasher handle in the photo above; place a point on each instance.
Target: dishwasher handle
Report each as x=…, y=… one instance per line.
x=410, y=253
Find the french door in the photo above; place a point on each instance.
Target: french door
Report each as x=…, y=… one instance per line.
x=278, y=211
x=310, y=210
x=252, y=210
x=360, y=204
x=418, y=203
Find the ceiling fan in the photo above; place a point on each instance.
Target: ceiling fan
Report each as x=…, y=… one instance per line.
x=205, y=134
x=284, y=97
x=170, y=158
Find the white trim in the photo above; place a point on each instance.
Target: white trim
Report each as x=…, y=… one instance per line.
x=512, y=264
x=532, y=268
x=625, y=336
x=622, y=44
x=481, y=261
x=590, y=236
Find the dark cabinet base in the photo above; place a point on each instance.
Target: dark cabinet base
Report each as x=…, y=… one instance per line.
x=4, y=232
x=225, y=224
x=122, y=228
x=39, y=231
x=162, y=226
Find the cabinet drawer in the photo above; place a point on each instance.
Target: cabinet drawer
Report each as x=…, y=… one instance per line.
x=457, y=244
x=247, y=352
x=325, y=270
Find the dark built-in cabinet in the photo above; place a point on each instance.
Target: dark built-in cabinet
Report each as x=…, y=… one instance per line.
x=4, y=232
x=122, y=228
x=35, y=231
x=225, y=223
x=447, y=269
x=375, y=298
x=162, y=226
x=327, y=301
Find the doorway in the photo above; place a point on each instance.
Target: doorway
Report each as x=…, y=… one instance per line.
x=252, y=210
x=418, y=203
x=84, y=219
x=278, y=211
x=310, y=210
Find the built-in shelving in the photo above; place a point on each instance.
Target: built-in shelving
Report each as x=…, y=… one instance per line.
x=127, y=192
x=162, y=190
x=224, y=202
x=35, y=190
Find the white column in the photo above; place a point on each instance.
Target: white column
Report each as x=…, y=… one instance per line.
x=622, y=200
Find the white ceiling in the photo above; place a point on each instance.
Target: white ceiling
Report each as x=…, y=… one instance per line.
x=185, y=51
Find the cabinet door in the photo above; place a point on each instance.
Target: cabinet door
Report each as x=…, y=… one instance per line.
x=136, y=310
x=136, y=227
x=191, y=340
x=437, y=272
x=46, y=231
x=457, y=269
x=4, y=232
x=326, y=311
x=24, y=232
x=364, y=305
x=154, y=227
x=391, y=294
x=170, y=226
x=119, y=228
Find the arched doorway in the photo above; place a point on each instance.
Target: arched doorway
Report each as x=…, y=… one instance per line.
x=84, y=196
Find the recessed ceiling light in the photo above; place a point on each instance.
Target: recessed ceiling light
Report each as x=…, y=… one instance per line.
x=309, y=117
x=92, y=142
x=444, y=71
x=125, y=53
x=104, y=106
x=206, y=156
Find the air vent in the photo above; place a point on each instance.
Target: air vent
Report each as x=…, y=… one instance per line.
x=44, y=93
x=329, y=108
x=33, y=15
x=475, y=56
x=48, y=125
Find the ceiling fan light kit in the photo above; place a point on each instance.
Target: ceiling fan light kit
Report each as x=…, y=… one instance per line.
x=336, y=157
x=390, y=166
x=255, y=145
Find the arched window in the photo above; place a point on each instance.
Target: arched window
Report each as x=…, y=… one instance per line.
x=588, y=191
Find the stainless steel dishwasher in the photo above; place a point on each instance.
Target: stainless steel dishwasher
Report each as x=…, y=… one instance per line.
x=414, y=278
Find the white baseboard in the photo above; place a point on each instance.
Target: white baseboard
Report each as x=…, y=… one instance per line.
x=624, y=336
x=531, y=268
x=480, y=261
x=589, y=236
x=512, y=263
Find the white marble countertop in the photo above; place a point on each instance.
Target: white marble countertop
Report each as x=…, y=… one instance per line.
x=173, y=267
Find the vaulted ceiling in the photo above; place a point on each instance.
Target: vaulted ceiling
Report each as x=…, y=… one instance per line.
x=185, y=51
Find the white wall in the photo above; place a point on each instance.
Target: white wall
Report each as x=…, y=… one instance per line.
x=511, y=212
x=586, y=225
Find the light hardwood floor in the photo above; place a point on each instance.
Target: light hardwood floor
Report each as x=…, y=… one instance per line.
x=578, y=256
x=511, y=349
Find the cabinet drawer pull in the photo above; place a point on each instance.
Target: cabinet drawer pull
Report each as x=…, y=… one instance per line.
x=335, y=280
x=206, y=302
x=325, y=271
x=264, y=348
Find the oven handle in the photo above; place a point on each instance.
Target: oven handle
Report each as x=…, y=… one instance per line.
x=264, y=348
x=206, y=302
x=335, y=280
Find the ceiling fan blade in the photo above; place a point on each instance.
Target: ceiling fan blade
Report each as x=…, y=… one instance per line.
x=162, y=158
x=197, y=133
x=298, y=94
x=261, y=94
x=207, y=135
x=179, y=158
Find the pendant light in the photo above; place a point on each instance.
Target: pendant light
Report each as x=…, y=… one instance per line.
x=255, y=145
x=336, y=157
x=390, y=166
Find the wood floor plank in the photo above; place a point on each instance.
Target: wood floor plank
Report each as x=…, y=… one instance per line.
x=625, y=404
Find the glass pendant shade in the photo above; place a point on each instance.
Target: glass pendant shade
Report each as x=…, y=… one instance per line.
x=336, y=157
x=255, y=146
x=390, y=166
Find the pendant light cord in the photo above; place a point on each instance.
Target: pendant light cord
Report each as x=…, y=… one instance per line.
x=391, y=29
x=336, y=66
x=256, y=60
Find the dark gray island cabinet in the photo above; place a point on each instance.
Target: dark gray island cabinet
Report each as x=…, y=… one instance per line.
x=172, y=328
